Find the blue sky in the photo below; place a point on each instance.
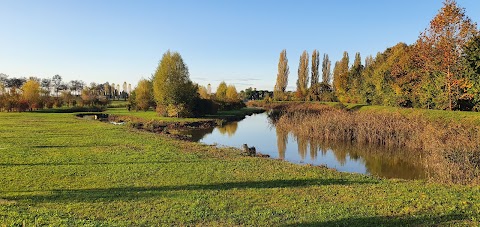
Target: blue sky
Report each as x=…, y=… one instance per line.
x=235, y=41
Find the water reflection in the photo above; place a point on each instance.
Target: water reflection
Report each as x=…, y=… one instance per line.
x=282, y=140
x=257, y=131
x=228, y=129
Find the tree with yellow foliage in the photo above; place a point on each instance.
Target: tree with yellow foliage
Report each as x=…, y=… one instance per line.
x=144, y=95
x=31, y=93
x=231, y=94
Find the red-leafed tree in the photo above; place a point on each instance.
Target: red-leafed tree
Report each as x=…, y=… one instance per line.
x=440, y=47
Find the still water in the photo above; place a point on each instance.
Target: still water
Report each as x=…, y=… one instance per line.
x=258, y=131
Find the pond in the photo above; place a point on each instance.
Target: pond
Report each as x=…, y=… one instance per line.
x=258, y=131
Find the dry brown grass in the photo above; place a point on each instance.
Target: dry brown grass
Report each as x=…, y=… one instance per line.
x=452, y=148
x=7, y=202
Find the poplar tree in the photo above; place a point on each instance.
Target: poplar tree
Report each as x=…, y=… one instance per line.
x=315, y=66
x=302, y=82
x=326, y=64
x=282, y=76
x=340, y=75
x=221, y=93
x=354, y=80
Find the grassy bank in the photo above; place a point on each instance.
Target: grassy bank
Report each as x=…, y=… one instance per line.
x=56, y=169
x=235, y=115
x=146, y=115
x=152, y=115
x=150, y=121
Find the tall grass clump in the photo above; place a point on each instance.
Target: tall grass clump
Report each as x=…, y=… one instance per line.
x=451, y=149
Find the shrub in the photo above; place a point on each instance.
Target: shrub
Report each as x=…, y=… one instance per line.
x=203, y=107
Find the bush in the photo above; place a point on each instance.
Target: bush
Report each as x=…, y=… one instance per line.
x=203, y=107
x=225, y=106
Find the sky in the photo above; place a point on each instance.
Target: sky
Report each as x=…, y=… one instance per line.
x=238, y=42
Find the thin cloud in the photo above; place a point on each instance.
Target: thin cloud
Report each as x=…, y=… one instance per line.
x=247, y=79
x=200, y=78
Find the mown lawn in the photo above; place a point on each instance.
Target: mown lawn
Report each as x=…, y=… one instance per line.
x=59, y=170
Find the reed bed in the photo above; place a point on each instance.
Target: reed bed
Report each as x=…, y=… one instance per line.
x=452, y=149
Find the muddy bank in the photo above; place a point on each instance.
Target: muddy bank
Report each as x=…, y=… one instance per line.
x=171, y=128
x=163, y=127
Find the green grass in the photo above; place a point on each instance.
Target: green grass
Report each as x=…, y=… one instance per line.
x=118, y=103
x=59, y=170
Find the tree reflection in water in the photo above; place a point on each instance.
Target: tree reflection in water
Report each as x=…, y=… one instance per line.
x=380, y=161
x=282, y=141
x=229, y=129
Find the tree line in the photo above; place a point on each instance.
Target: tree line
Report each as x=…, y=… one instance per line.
x=441, y=70
x=21, y=94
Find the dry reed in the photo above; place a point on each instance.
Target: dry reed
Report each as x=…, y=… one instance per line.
x=452, y=149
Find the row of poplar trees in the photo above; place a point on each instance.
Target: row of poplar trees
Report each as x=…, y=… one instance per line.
x=309, y=86
x=441, y=70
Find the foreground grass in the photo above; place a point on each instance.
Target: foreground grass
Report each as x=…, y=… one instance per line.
x=56, y=169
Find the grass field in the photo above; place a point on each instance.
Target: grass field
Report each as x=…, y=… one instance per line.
x=59, y=170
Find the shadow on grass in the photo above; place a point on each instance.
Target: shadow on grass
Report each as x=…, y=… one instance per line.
x=133, y=193
x=58, y=146
x=96, y=163
x=70, y=110
x=421, y=220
